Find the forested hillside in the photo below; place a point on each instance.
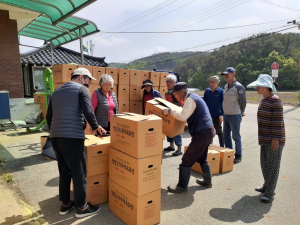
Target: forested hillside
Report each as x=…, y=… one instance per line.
x=249, y=58
x=148, y=63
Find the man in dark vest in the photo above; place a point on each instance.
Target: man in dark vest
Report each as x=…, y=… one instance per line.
x=202, y=131
x=69, y=108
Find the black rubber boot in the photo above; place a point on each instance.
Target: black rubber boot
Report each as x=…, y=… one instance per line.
x=184, y=178
x=206, y=176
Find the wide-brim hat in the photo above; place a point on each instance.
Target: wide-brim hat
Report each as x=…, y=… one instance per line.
x=263, y=80
x=147, y=82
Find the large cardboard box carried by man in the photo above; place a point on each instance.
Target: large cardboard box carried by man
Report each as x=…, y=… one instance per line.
x=170, y=126
x=133, y=210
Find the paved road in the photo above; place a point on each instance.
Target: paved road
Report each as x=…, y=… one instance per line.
x=232, y=200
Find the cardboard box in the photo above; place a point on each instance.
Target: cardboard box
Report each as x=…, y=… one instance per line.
x=135, y=77
x=114, y=73
x=123, y=106
x=144, y=75
x=62, y=72
x=226, y=158
x=213, y=159
x=92, y=88
x=138, y=176
x=115, y=90
x=154, y=77
x=43, y=107
x=55, y=86
x=136, y=135
x=170, y=126
x=123, y=92
x=135, y=93
x=97, y=73
x=39, y=98
x=136, y=107
x=97, y=189
x=89, y=68
x=133, y=210
x=163, y=79
x=156, y=88
x=124, y=76
x=163, y=91
x=96, y=155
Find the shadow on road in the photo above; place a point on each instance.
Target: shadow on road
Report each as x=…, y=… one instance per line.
x=248, y=209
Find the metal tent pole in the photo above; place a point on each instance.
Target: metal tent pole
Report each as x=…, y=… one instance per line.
x=81, y=46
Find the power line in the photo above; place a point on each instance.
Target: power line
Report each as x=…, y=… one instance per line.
x=279, y=6
x=180, y=22
x=219, y=47
x=210, y=43
x=186, y=31
x=124, y=12
x=143, y=41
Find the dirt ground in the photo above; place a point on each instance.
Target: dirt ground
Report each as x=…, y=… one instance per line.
x=287, y=98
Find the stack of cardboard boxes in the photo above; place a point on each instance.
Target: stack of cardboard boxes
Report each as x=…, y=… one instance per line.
x=135, y=168
x=220, y=160
x=127, y=83
x=96, y=156
x=42, y=100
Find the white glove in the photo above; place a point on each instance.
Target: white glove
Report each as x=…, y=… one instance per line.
x=165, y=111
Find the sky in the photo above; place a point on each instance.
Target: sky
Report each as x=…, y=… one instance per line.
x=177, y=15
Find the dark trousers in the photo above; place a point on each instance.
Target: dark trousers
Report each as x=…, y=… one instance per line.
x=71, y=164
x=198, y=148
x=270, y=165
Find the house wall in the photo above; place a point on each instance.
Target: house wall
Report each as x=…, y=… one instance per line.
x=10, y=63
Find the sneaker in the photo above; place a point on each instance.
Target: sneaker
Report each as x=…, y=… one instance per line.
x=169, y=149
x=237, y=159
x=267, y=199
x=177, y=153
x=65, y=209
x=87, y=211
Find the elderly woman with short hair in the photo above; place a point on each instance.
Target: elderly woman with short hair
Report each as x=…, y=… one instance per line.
x=171, y=80
x=213, y=98
x=104, y=101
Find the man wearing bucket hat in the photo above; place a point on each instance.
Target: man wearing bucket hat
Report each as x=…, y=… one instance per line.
x=271, y=134
x=201, y=129
x=234, y=104
x=69, y=108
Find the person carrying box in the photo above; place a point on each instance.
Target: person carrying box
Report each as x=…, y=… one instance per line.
x=202, y=131
x=68, y=108
x=171, y=80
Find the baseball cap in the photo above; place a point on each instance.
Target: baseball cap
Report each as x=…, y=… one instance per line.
x=179, y=86
x=263, y=80
x=147, y=82
x=228, y=70
x=83, y=71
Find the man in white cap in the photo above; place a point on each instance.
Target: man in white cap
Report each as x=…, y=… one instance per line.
x=69, y=108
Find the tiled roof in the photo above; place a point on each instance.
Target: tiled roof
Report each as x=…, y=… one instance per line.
x=61, y=55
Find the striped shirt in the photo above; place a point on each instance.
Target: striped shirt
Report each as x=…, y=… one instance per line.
x=270, y=121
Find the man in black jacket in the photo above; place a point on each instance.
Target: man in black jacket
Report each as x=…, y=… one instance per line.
x=69, y=108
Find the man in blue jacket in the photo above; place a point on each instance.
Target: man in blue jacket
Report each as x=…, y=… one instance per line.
x=202, y=131
x=213, y=98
